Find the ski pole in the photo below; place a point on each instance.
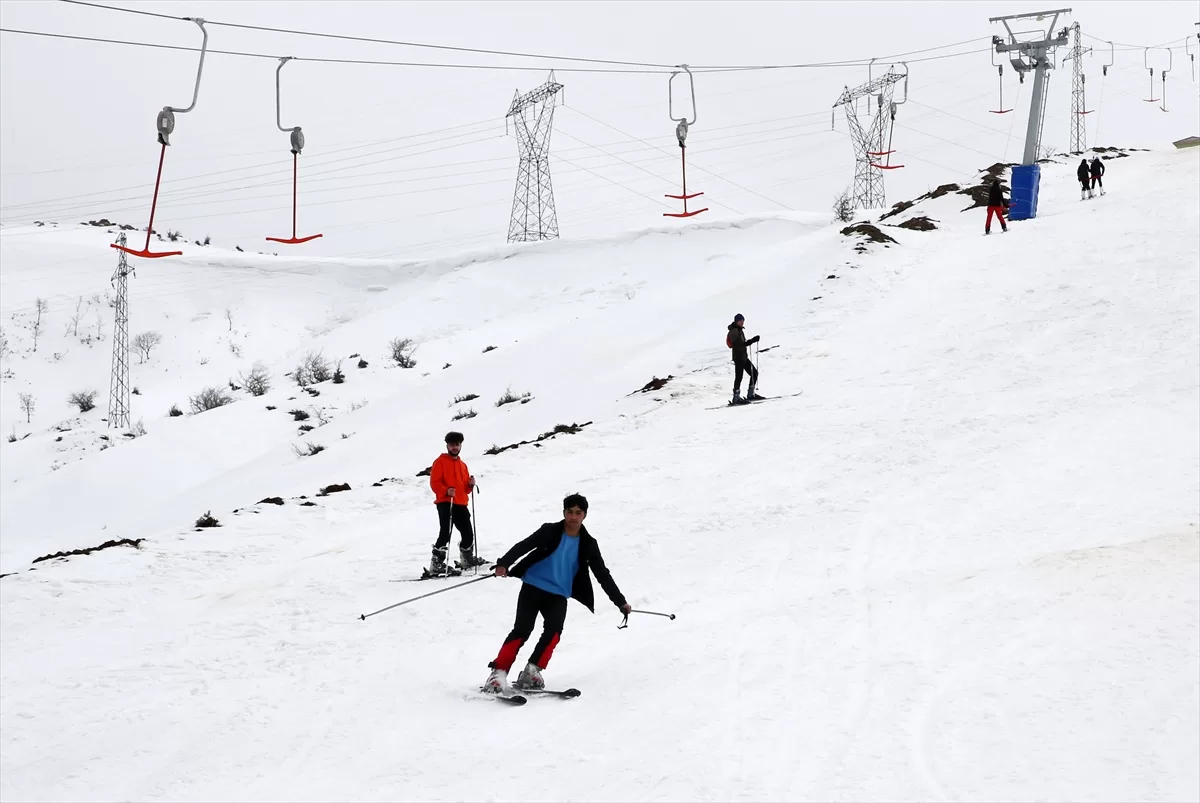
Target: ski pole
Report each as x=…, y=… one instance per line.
x=624, y=624
x=423, y=596
x=474, y=526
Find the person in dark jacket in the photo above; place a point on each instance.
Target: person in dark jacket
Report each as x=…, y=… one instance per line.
x=1097, y=174
x=736, y=340
x=996, y=206
x=1084, y=174
x=560, y=554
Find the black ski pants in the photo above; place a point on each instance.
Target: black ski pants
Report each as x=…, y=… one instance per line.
x=740, y=365
x=461, y=518
x=530, y=602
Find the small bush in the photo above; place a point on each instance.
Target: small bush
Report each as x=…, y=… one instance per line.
x=85, y=400
x=308, y=449
x=174, y=411
x=489, y=348
x=362, y=363
x=312, y=369
x=139, y=429
x=467, y=397
x=461, y=414
x=843, y=207
x=299, y=415
x=338, y=376
x=207, y=520
x=509, y=398
x=258, y=381
x=402, y=349
x=144, y=343
x=12, y=438
x=209, y=399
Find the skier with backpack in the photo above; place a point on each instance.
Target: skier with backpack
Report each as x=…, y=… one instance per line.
x=736, y=340
x=1097, y=174
x=555, y=570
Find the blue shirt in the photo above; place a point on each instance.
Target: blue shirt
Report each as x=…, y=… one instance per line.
x=556, y=572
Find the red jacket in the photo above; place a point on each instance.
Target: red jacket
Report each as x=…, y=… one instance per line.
x=450, y=472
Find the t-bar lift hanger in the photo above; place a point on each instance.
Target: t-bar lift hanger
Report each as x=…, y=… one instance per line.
x=297, y=140
x=166, y=125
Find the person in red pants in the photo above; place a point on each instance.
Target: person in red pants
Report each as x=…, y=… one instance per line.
x=996, y=206
x=560, y=553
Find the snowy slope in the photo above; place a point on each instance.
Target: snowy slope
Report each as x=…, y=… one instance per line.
x=963, y=564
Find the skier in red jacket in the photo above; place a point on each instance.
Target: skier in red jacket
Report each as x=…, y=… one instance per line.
x=452, y=485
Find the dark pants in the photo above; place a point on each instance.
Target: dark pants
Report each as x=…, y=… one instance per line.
x=462, y=522
x=530, y=602
x=1097, y=181
x=740, y=365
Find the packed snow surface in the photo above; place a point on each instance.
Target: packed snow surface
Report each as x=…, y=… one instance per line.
x=962, y=564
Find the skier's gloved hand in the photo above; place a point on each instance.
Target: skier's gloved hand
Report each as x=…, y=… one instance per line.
x=752, y=340
x=499, y=570
x=626, y=608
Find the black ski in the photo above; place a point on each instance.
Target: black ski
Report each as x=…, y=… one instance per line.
x=759, y=400
x=425, y=575
x=565, y=694
x=511, y=699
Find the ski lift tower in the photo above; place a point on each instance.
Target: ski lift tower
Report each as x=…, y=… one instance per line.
x=1034, y=54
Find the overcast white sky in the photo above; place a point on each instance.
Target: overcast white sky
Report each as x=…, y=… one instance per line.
x=77, y=135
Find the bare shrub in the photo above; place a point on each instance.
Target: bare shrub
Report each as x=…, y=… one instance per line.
x=843, y=207
x=79, y=310
x=308, y=449
x=84, y=399
x=40, y=307
x=209, y=399
x=144, y=342
x=27, y=405
x=312, y=369
x=402, y=349
x=469, y=413
x=509, y=397
x=258, y=381
x=174, y=411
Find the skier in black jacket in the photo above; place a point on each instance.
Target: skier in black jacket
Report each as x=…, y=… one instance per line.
x=1084, y=174
x=996, y=206
x=736, y=340
x=1097, y=174
x=554, y=571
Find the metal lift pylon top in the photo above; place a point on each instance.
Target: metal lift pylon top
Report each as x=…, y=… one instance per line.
x=297, y=141
x=681, y=132
x=166, y=125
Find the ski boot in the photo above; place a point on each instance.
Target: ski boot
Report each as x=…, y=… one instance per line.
x=497, y=683
x=737, y=399
x=530, y=678
x=468, y=561
x=751, y=395
x=438, y=567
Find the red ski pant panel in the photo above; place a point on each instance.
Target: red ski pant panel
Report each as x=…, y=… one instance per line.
x=530, y=602
x=998, y=211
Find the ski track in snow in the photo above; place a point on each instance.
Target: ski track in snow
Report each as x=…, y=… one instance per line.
x=962, y=565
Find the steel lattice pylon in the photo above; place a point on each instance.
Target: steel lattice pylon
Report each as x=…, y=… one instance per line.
x=869, y=143
x=118, y=392
x=533, y=216
x=1078, y=98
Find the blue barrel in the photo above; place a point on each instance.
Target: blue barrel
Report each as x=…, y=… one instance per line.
x=1023, y=201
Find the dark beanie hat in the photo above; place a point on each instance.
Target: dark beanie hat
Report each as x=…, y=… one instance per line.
x=454, y=437
x=739, y=317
